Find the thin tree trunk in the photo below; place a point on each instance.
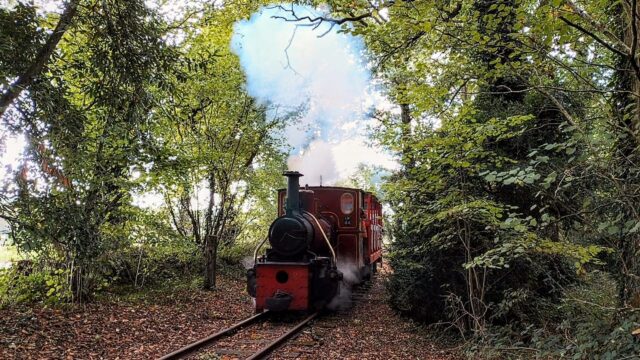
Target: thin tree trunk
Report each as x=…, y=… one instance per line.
x=77, y=285
x=407, y=157
x=42, y=58
x=211, y=237
x=627, y=153
x=211, y=253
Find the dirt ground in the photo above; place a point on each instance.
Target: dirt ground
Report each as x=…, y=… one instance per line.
x=370, y=329
x=163, y=322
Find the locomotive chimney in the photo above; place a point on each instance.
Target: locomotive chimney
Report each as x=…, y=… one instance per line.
x=293, y=191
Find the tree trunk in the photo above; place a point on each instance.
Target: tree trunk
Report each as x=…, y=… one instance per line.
x=627, y=154
x=407, y=157
x=210, y=257
x=78, y=284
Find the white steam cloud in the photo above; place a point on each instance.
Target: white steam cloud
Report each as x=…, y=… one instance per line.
x=293, y=65
x=351, y=277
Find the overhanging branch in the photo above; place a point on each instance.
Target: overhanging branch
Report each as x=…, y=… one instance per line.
x=42, y=58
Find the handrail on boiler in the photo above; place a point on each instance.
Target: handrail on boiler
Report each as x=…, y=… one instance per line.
x=255, y=253
x=333, y=253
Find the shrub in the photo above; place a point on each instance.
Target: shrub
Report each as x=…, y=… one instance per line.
x=150, y=264
x=584, y=324
x=36, y=285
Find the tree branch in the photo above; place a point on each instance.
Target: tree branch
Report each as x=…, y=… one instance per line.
x=585, y=16
x=318, y=20
x=634, y=64
x=42, y=58
x=592, y=35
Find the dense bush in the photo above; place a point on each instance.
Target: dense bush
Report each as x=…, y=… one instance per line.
x=584, y=324
x=147, y=265
x=25, y=283
x=465, y=250
x=135, y=267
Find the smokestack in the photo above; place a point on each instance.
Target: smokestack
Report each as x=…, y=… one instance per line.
x=293, y=191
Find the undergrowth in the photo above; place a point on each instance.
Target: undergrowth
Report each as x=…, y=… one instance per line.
x=586, y=324
x=138, y=274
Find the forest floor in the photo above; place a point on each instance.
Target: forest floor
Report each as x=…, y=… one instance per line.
x=368, y=330
x=157, y=323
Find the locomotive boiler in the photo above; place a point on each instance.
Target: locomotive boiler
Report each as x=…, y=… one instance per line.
x=322, y=235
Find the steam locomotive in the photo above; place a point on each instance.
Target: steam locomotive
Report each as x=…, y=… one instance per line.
x=322, y=234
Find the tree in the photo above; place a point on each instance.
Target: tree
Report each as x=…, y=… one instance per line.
x=220, y=140
x=86, y=120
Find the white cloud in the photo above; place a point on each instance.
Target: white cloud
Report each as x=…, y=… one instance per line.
x=316, y=161
x=350, y=153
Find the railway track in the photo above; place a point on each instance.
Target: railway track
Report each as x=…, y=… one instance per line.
x=253, y=349
x=209, y=342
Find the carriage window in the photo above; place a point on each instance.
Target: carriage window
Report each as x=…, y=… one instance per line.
x=346, y=203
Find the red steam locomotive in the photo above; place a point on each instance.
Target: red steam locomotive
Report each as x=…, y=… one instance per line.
x=322, y=236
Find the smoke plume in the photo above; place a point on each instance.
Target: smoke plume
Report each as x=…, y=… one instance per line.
x=292, y=65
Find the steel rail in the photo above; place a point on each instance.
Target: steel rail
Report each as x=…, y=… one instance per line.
x=262, y=353
x=193, y=347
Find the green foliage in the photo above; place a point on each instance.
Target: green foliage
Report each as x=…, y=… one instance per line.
x=120, y=112
x=585, y=324
x=451, y=228
x=149, y=264
x=86, y=118
x=221, y=148
x=19, y=38
x=34, y=285
x=8, y=253
x=512, y=186
x=367, y=178
x=515, y=212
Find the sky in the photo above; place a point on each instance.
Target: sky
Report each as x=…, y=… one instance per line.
x=292, y=65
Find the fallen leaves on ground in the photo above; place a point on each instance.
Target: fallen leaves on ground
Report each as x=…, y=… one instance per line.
x=370, y=330
x=154, y=327
x=112, y=330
